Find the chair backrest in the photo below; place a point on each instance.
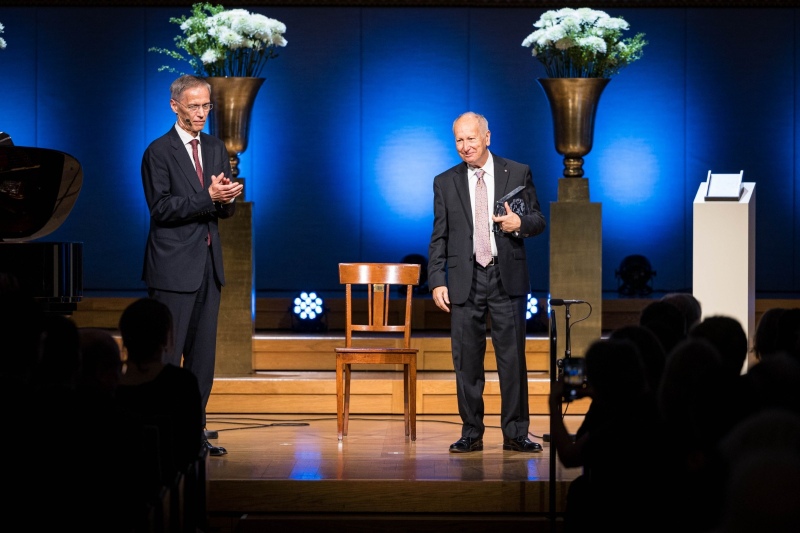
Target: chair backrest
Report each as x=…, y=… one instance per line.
x=378, y=279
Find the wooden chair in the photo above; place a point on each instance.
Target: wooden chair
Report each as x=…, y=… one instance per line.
x=376, y=321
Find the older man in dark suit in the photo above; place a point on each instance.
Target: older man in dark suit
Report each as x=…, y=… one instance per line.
x=186, y=179
x=474, y=272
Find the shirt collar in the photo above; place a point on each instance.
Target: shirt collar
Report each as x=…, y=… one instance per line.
x=184, y=135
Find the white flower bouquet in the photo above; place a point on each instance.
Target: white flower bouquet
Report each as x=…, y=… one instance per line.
x=2, y=41
x=583, y=43
x=222, y=42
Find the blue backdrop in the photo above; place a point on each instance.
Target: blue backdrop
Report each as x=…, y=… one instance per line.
x=354, y=120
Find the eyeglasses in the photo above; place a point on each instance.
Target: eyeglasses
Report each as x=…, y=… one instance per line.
x=194, y=108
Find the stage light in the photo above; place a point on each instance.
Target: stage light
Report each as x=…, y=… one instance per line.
x=635, y=276
x=535, y=320
x=533, y=307
x=308, y=312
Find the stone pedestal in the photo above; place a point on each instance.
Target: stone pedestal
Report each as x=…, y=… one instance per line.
x=724, y=257
x=236, y=314
x=576, y=266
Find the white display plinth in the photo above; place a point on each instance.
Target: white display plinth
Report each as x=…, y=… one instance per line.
x=724, y=238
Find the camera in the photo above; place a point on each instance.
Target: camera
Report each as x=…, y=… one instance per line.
x=574, y=378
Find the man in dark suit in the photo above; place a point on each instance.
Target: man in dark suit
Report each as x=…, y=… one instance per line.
x=183, y=256
x=471, y=291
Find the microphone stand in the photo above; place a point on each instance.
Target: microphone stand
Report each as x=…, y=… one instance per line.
x=556, y=372
x=554, y=376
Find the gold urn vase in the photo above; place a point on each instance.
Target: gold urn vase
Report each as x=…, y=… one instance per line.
x=233, y=99
x=573, y=104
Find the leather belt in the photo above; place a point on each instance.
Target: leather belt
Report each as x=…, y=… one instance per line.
x=490, y=263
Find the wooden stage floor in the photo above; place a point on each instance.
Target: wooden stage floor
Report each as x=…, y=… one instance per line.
x=290, y=472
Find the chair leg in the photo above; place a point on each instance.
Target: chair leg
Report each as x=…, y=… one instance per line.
x=412, y=399
x=339, y=398
x=406, y=385
x=346, y=397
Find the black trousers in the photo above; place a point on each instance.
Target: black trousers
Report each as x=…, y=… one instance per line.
x=468, y=339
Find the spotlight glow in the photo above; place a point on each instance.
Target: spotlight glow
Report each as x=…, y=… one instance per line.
x=307, y=306
x=533, y=307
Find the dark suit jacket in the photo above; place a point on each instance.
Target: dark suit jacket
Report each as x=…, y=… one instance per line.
x=450, y=254
x=181, y=212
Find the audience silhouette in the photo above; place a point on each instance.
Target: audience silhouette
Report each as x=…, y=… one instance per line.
x=788, y=335
x=164, y=397
x=693, y=403
x=762, y=468
x=101, y=363
x=666, y=321
x=651, y=351
x=766, y=341
x=618, y=444
x=679, y=434
x=728, y=337
x=771, y=383
x=67, y=435
x=688, y=305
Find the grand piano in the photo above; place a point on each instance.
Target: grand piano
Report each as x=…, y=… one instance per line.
x=38, y=188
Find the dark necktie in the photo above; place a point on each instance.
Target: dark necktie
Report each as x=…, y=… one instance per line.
x=197, y=166
x=483, y=244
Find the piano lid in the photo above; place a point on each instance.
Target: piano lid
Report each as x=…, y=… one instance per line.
x=38, y=188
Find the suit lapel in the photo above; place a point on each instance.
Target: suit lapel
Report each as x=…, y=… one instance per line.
x=461, y=182
x=501, y=177
x=184, y=161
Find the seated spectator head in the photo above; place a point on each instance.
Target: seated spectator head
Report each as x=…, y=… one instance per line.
x=762, y=486
x=728, y=337
x=650, y=349
x=614, y=371
x=692, y=394
x=765, y=339
x=788, y=337
x=21, y=324
x=687, y=304
x=101, y=361
x=146, y=329
x=666, y=321
x=59, y=354
x=772, y=383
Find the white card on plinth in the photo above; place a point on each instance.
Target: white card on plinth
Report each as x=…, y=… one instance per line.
x=724, y=186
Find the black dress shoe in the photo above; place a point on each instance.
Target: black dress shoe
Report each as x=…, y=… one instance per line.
x=215, y=451
x=467, y=444
x=521, y=444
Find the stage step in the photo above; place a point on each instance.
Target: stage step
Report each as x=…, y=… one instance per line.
x=314, y=392
x=297, y=374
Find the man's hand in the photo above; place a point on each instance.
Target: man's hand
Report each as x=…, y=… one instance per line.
x=510, y=222
x=441, y=298
x=224, y=190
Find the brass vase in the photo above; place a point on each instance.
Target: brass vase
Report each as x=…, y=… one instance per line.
x=233, y=99
x=573, y=103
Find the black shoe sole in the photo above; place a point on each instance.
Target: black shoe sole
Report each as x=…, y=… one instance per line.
x=457, y=450
x=512, y=448
x=478, y=447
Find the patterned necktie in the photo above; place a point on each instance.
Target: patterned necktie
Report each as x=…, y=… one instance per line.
x=483, y=244
x=197, y=166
